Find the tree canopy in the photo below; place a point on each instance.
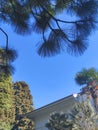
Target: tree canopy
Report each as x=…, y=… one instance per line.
x=23, y=104
x=7, y=56
x=68, y=32
x=7, y=108
x=86, y=76
x=62, y=25
x=15, y=101
x=89, y=78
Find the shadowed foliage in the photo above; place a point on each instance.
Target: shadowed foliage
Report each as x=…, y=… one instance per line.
x=68, y=33
x=58, y=121
x=7, y=56
x=23, y=105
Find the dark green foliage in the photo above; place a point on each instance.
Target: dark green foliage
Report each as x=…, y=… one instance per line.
x=86, y=76
x=16, y=14
x=81, y=117
x=11, y=54
x=24, y=124
x=43, y=17
x=74, y=42
x=84, y=8
x=7, y=56
x=23, y=105
x=61, y=4
x=39, y=25
x=7, y=108
x=47, y=48
x=7, y=69
x=59, y=121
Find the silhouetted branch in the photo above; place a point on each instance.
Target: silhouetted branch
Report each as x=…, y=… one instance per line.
x=6, y=37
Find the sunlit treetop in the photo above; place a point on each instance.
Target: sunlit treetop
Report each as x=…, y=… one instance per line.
x=86, y=76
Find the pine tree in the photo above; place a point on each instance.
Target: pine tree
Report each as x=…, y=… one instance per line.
x=7, y=56
x=58, y=34
x=7, y=108
x=23, y=105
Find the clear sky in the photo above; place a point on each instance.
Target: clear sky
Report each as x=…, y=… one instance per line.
x=52, y=78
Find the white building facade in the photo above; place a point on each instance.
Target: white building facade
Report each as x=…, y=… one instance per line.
x=40, y=116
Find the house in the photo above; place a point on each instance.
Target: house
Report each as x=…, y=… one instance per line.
x=40, y=116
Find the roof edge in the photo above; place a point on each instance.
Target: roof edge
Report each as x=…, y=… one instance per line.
x=50, y=104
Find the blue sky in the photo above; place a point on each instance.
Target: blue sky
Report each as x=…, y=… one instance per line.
x=52, y=78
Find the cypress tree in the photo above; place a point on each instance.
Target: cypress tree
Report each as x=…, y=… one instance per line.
x=7, y=113
x=23, y=105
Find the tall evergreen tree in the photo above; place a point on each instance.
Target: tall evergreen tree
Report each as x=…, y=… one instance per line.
x=7, y=108
x=58, y=34
x=23, y=105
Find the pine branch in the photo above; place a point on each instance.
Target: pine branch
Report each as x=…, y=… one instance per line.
x=6, y=37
